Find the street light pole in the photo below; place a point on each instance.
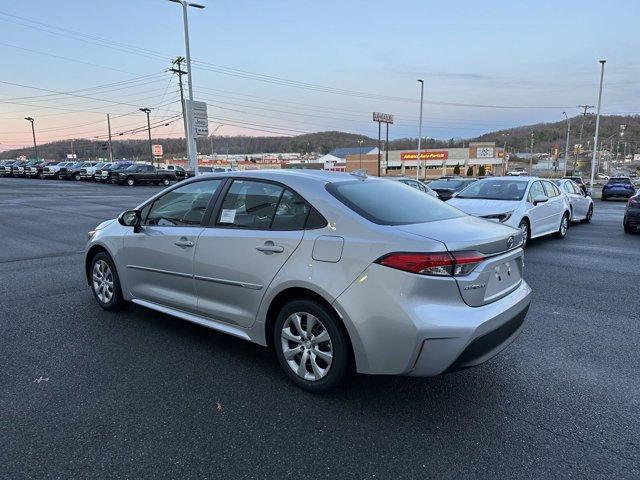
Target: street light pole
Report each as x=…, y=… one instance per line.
x=192, y=150
x=595, y=139
x=421, y=82
x=33, y=131
x=566, y=147
x=148, y=111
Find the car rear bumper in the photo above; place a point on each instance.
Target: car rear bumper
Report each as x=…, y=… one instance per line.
x=395, y=332
x=618, y=193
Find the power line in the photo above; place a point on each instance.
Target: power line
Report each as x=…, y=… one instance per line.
x=240, y=73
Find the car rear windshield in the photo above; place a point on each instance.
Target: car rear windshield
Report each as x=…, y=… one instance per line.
x=626, y=180
x=490, y=189
x=391, y=203
x=451, y=184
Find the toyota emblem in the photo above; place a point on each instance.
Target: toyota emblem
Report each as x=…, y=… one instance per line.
x=510, y=242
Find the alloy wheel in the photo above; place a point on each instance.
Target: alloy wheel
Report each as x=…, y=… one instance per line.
x=564, y=225
x=306, y=346
x=524, y=230
x=102, y=281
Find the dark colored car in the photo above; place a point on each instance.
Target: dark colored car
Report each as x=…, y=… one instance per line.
x=113, y=170
x=35, y=170
x=17, y=169
x=142, y=173
x=5, y=167
x=631, y=220
x=71, y=171
x=447, y=187
x=618, y=187
x=579, y=181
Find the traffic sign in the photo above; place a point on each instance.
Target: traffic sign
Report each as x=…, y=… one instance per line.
x=200, y=118
x=157, y=150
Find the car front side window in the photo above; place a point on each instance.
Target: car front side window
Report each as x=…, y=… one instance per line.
x=182, y=206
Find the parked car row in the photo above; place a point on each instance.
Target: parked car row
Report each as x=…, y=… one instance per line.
x=121, y=172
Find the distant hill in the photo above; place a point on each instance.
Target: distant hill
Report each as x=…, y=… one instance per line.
x=546, y=135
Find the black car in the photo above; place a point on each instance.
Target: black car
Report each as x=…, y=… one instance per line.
x=71, y=171
x=5, y=167
x=142, y=173
x=631, y=220
x=618, y=187
x=579, y=181
x=447, y=187
x=113, y=170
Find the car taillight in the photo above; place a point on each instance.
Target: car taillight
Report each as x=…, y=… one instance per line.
x=438, y=263
x=634, y=201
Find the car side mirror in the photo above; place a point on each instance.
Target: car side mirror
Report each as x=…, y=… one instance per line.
x=131, y=218
x=540, y=199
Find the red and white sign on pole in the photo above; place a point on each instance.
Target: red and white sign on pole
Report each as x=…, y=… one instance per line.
x=157, y=150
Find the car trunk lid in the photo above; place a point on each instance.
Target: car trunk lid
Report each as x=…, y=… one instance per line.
x=501, y=270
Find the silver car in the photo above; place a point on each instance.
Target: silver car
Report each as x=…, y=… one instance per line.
x=336, y=272
x=580, y=203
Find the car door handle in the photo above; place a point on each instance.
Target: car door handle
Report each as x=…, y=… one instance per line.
x=184, y=243
x=270, y=247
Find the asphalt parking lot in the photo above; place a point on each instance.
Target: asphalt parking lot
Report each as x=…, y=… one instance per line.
x=92, y=394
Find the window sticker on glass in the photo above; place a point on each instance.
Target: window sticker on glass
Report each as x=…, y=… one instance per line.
x=228, y=215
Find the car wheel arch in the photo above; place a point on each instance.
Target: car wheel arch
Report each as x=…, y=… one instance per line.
x=302, y=293
x=92, y=252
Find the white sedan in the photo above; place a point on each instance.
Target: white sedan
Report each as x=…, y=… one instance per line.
x=581, y=204
x=535, y=206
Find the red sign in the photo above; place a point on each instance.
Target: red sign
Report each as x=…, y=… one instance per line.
x=441, y=155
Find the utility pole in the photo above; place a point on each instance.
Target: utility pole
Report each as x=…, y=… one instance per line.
x=148, y=111
x=178, y=70
x=110, y=144
x=566, y=147
x=33, y=131
x=584, y=114
x=595, y=138
x=531, y=158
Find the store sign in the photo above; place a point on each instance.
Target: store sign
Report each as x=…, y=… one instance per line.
x=382, y=117
x=442, y=155
x=484, y=152
x=157, y=150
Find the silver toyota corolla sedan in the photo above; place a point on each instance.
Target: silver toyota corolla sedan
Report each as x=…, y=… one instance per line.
x=337, y=272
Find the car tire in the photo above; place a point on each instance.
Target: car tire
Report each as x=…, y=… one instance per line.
x=58, y=176
x=105, y=283
x=315, y=367
x=589, y=216
x=166, y=181
x=130, y=181
x=564, y=226
x=77, y=177
x=525, y=229
x=628, y=228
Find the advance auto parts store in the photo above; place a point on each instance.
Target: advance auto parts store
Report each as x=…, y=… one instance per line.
x=434, y=162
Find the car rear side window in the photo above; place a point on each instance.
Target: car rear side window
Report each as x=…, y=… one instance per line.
x=249, y=204
x=257, y=205
x=550, y=189
x=391, y=203
x=182, y=206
